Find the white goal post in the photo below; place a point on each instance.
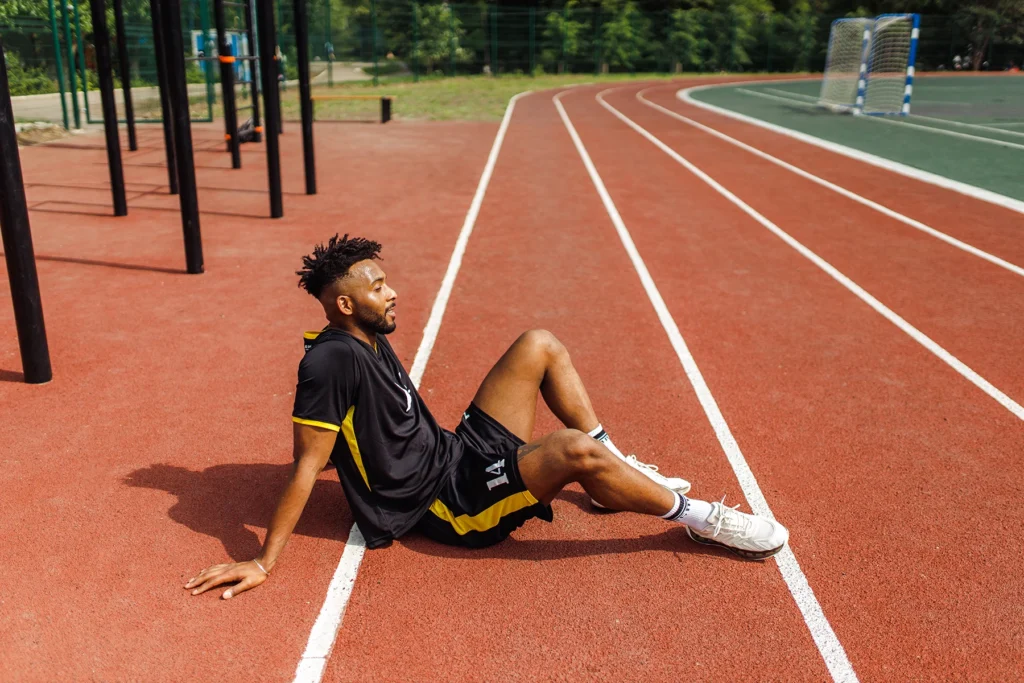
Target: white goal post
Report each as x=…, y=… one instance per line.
x=870, y=65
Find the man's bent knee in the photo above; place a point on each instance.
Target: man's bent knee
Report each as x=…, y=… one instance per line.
x=580, y=453
x=541, y=342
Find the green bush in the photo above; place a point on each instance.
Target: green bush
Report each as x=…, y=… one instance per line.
x=28, y=81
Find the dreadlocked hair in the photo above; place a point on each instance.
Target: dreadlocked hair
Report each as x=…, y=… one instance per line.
x=331, y=262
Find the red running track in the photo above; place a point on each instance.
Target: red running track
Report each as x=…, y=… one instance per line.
x=894, y=474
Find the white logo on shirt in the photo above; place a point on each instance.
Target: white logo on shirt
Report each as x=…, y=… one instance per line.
x=408, y=397
x=496, y=469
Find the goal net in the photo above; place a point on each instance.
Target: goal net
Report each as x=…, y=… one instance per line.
x=870, y=65
x=845, y=65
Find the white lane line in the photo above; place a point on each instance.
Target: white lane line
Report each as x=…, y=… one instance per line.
x=914, y=333
x=325, y=629
x=821, y=631
x=686, y=95
x=979, y=126
x=1008, y=124
x=918, y=225
x=787, y=99
x=810, y=102
x=897, y=121
x=787, y=93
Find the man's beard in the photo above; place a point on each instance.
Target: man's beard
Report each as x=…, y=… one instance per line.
x=375, y=321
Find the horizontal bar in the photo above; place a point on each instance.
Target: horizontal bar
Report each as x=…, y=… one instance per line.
x=353, y=97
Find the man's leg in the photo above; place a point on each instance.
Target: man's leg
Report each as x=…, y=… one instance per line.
x=536, y=362
x=548, y=465
x=569, y=455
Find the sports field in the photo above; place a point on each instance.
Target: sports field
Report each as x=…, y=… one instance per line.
x=817, y=336
x=969, y=128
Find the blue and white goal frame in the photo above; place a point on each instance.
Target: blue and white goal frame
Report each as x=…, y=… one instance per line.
x=867, y=58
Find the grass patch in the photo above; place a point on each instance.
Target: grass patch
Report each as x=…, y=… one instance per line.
x=463, y=98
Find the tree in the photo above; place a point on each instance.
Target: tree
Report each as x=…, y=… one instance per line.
x=440, y=33
x=563, y=33
x=624, y=35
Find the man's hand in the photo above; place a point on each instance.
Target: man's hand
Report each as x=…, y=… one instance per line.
x=313, y=446
x=247, y=574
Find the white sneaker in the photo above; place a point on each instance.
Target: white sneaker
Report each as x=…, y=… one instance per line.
x=750, y=536
x=680, y=486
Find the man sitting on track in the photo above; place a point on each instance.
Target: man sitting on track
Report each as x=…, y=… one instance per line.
x=400, y=471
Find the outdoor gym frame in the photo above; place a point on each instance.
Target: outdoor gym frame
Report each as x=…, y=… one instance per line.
x=174, y=103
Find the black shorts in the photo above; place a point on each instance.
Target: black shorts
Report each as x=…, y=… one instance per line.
x=485, y=499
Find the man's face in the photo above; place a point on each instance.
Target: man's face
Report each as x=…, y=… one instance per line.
x=369, y=299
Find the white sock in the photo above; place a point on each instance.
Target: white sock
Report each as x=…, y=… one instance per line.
x=602, y=436
x=692, y=513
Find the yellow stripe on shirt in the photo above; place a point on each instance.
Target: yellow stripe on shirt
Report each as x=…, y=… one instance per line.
x=349, y=431
x=315, y=423
x=489, y=518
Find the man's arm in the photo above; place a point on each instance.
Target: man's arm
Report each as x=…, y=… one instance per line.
x=313, y=447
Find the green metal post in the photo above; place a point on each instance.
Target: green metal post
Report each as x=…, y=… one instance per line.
x=330, y=53
x=58, y=63
x=451, y=37
x=204, y=26
x=565, y=22
x=415, y=42
x=373, y=28
x=81, y=61
x=64, y=10
x=533, y=42
x=771, y=34
x=597, y=43
x=494, y=41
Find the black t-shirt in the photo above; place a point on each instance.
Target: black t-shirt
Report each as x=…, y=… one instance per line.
x=391, y=455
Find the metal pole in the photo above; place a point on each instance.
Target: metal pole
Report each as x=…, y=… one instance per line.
x=533, y=41
x=69, y=44
x=373, y=28
x=126, y=74
x=415, y=42
x=17, y=241
x=178, y=95
x=81, y=60
x=329, y=41
x=101, y=41
x=451, y=37
x=305, y=103
x=271, y=98
x=494, y=41
x=254, y=88
x=226, y=59
x=166, y=115
x=204, y=27
x=58, y=63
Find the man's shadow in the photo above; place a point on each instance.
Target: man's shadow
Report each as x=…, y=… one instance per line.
x=222, y=500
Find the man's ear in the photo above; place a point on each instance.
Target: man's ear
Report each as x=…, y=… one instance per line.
x=345, y=304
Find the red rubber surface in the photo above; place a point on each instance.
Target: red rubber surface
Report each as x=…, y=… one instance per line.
x=592, y=596
x=884, y=462
x=164, y=440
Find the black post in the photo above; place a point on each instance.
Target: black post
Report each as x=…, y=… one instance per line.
x=126, y=73
x=305, y=103
x=271, y=98
x=101, y=40
x=178, y=94
x=227, y=84
x=17, y=241
x=166, y=114
x=385, y=109
x=254, y=86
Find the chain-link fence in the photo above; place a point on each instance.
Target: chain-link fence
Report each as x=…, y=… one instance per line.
x=398, y=39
